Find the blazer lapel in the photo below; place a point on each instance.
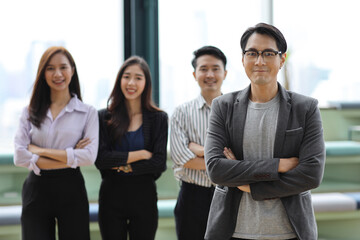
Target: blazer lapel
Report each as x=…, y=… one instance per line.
x=283, y=117
x=238, y=123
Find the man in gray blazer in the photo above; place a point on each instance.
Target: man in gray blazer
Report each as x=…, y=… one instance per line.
x=264, y=150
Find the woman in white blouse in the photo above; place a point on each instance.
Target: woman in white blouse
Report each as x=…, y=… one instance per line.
x=57, y=134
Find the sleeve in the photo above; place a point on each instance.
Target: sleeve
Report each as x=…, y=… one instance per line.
x=23, y=157
x=308, y=174
x=157, y=163
x=227, y=172
x=87, y=155
x=108, y=158
x=179, y=140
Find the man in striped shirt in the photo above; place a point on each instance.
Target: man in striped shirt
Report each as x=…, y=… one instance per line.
x=188, y=130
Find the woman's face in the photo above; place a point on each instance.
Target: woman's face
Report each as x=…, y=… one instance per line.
x=133, y=83
x=58, y=73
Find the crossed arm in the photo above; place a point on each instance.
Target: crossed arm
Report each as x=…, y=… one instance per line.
x=285, y=165
x=134, y=156
x=54, y=158
x=198, y=162
x=184, y=152
x=271, y=178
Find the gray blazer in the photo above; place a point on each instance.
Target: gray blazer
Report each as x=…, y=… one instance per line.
x=299, y=134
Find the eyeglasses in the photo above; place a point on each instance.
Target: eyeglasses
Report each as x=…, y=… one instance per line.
x=267, y=55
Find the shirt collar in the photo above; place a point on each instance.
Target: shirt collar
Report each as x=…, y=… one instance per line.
x=200, y=102
x=75, y=104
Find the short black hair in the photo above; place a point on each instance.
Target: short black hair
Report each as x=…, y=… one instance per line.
x=266, y=29
x=208, y=50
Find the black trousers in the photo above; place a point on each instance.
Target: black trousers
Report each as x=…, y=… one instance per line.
x=57, y=196
x=192, y=211
x=127, y=207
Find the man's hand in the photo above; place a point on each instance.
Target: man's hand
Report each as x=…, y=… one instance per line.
x=286, y=164
x=244, y=188
x=229, y=154
x=197, y=149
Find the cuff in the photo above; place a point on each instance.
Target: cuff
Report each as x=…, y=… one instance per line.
x=33, y=166
x=71, y=159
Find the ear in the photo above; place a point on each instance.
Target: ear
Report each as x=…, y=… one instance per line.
x=194, y=74
x=282, y=60
x=225, y=73
x=242, y=60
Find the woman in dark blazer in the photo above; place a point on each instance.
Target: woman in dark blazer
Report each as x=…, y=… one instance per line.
x=132, y=155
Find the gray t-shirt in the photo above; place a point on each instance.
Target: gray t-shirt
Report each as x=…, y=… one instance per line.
x=261, y=219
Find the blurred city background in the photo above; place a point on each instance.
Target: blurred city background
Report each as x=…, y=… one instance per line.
x=322, y=52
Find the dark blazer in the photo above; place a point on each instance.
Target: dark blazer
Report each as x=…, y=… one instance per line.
x=299, y=134
x=155, y=130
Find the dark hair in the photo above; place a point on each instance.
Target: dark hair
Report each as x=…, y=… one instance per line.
x=119, y=120
x=40, y=98
x=266, y=29
x=208, y=50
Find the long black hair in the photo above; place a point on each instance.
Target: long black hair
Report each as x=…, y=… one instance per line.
x=40, y=98
x=119, y=120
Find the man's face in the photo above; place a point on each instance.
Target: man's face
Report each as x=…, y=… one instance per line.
x=262, y=71
x=209, y=73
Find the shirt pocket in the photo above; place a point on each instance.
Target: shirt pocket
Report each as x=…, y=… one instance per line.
x=295, y=131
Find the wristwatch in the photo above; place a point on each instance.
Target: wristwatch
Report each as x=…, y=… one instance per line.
x=127, y=168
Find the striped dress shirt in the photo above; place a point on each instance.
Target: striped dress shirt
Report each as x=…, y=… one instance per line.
x=189, y=123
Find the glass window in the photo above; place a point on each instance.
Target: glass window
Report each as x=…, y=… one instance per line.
x=92, y=31
x=323, y=47
x=187, y=25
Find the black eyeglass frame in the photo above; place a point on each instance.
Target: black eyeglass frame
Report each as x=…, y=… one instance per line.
x=262, y=52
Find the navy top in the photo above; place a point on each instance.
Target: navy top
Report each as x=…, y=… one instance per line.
x=131, y=141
